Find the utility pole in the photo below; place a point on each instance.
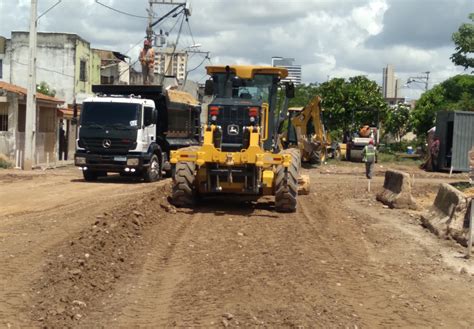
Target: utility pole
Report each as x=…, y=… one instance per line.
x=176, y=4
x=30, y=122
x=425, y=79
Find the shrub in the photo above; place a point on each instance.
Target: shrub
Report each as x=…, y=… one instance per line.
x=5, y=163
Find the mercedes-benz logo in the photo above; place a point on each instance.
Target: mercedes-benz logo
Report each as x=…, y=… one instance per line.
x=233, y=130
x=106, y=143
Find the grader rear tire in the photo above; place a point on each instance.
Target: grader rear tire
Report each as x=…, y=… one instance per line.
x=286, y=185
x=183, y=194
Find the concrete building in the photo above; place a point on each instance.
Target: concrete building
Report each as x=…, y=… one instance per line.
x=171, y=63
x=112, y=69
x=294, y=70
x=4, y=59
x=12, y=124
x=390, y=83
x=64, y=61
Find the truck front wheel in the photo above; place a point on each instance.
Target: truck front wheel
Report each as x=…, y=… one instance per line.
x=90, y=176
x=153, y=171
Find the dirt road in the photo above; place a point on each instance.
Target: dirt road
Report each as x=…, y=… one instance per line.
x=91, y=255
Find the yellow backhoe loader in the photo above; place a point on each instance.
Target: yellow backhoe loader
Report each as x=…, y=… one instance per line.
x=305, y=131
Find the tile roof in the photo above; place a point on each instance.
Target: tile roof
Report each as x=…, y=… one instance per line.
x=23, y=91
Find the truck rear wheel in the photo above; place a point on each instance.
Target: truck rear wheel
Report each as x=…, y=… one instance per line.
x=153, y=171
x=183, y=194
x=286, y=183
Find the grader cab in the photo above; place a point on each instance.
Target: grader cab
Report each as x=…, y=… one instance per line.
x=239, y=153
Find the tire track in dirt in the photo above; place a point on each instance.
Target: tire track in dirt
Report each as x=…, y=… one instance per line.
x=23, y=251
x=259, y=266
x=392, y=278
x=426, y=285
x=362, y=284
x=145, y=297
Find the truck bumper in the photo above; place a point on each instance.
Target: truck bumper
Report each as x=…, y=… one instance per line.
x=132, y=162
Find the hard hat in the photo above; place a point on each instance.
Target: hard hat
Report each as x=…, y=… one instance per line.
x=147, y=42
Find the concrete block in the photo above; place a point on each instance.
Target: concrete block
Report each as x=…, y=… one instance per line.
x=396, y=191
x=303, y=185
x=448, y=216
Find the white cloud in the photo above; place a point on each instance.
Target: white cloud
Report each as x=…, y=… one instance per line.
x=330, y=37
x=370, y=16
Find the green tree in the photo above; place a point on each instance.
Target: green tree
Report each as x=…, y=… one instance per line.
x=464, y=41
x=303, y=94
x=44, y=89
x=352, y=103
x=397, y=122
x=453, y=94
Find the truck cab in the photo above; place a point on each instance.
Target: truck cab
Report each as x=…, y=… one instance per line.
x=118, y=134
x=131, y=129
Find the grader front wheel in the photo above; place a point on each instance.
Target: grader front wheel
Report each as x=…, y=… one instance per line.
x=286, y=183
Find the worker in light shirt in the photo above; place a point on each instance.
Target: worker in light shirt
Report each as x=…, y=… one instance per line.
x=147, y=59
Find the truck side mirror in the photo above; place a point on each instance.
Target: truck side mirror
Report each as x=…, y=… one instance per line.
x=290, y=90
x=209, y=88
x=74, y=114
x=148, y=116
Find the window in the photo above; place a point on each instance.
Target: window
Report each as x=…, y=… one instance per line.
x=83, y=71
x=1, y=68
x=3, y=117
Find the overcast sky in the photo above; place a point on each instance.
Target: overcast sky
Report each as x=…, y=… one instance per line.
x=329, y=38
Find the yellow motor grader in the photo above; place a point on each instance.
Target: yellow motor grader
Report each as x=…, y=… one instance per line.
x=239, y=154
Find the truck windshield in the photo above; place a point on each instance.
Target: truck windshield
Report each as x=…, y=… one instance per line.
x=111, y=114
x=231, y=86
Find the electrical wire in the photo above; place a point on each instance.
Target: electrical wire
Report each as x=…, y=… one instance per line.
x=174, y=49
x=193, y=69
x=48, y=10
x=174, y=25
x=130, y=66
x=198, y=66
x=45, y=69
x=190, y=32
x=119, y=11
x=130, y=49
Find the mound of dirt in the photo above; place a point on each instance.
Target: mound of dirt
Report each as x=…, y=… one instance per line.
x=86, y=268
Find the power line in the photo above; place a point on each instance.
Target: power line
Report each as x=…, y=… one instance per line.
x=174, y=50
x=193, y=69
x=205, y=74
x=45, y=69
x=119, y=11
x=130, y=49
x=190, y=32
